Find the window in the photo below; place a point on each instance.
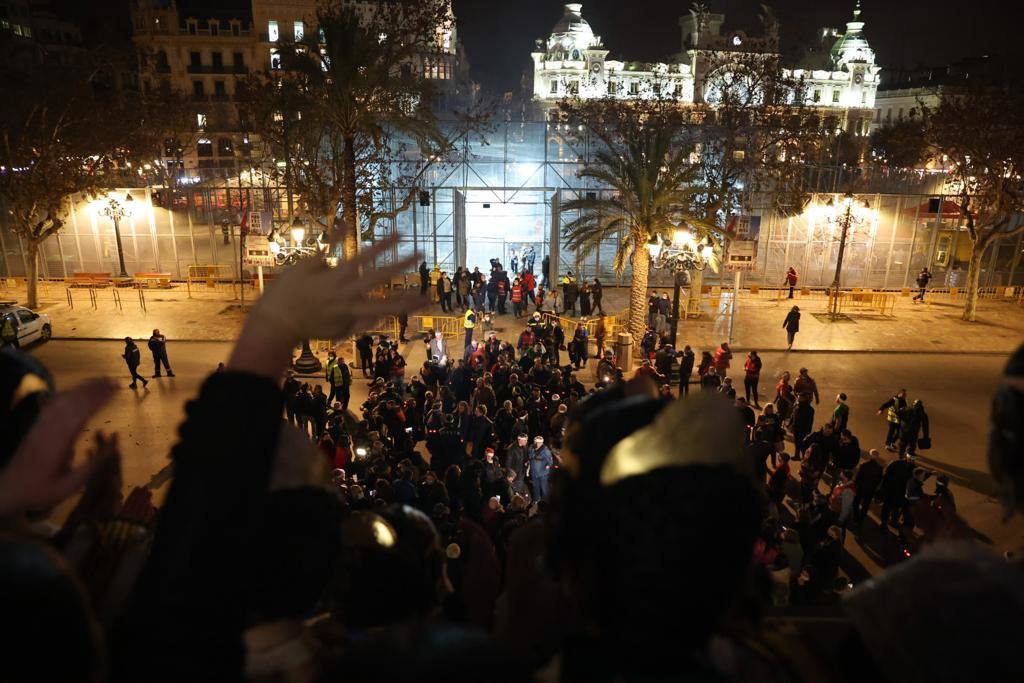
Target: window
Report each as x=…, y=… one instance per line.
x=225, y=147
x=198, y=89
x=835, y=96
x=161, y=61
x=193, y=27
x=576, y=55
x=26, y=31
x=204, y=147
x=25, y=316
x=613, y=87
x=864, y=97
x=300, y=30
x=554, y=88
x=219, y=90
x=817, y=95
x=275, y=60
x=201, y=121
x=574, y=87
x=195, y=60
x=634, y=88
x=888, y=114
x=657, y=89
x=218, y=60
x=214, y=27
x=272, y=33
x=236, y=29
x=239, y=60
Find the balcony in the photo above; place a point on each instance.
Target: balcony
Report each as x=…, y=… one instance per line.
x=221, y=97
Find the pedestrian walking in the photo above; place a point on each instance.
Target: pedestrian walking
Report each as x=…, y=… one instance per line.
x=791, y=279
x=339, y=377
x=132, y=358
x=751, y=377
x=792, y=325
x=923, y=278
x=158, y=347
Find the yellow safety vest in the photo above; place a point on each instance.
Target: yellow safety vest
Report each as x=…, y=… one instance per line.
x=892, y=412
x=468, y=322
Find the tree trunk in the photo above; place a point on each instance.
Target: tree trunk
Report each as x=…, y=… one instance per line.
x=32, y=273
x=973, y=279
x=350, y=246
x=640, y=263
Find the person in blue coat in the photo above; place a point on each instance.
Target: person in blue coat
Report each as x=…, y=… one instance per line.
x=541, y=464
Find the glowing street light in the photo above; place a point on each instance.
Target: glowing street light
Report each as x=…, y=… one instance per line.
x=681, y=254
x=115, y=211
x=298, y=234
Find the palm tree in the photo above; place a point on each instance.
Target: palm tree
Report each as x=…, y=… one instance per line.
x=651, y=182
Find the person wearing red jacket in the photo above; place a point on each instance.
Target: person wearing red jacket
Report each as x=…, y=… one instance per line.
x=529, y=284
x=752, y=375
x=723, y=357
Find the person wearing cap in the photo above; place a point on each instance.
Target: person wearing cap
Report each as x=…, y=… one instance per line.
x=158, y=347
x=541, y=463
x=132, y=358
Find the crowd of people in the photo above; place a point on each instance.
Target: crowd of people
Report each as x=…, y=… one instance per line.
x=488, y=516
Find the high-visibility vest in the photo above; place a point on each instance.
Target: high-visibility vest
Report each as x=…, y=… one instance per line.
x=892, y=413
x=470, y=320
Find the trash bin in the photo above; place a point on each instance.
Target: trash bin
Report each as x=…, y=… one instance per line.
x=624, y=352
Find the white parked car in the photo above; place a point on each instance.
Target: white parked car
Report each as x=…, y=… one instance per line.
x=30, y=326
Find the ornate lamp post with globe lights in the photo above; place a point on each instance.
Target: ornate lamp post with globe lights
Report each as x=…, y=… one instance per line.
x=115, y=211
x=681, y=254
x=846, y=213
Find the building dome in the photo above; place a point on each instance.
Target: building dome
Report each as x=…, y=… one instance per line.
x=572, y=32
x=852, y=46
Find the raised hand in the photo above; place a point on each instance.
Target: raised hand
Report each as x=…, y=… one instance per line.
x=40, y=474
x=312, y=301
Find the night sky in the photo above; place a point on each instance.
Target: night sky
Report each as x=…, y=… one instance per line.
x=499, y=34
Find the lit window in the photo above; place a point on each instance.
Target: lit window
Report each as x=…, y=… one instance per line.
x=323, y=36
x=300, y=31
x=272, y=33
x=275, y=61
x=201, y=121
x=26, y=31
x=17, y=29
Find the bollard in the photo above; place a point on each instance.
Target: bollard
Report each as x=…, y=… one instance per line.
x=624, y=352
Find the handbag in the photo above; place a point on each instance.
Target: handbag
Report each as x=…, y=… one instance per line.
x=924, y=443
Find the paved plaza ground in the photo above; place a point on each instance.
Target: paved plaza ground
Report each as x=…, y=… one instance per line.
x=952, y=366
x=935, y=326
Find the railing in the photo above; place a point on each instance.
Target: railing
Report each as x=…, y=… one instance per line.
x=213, y=277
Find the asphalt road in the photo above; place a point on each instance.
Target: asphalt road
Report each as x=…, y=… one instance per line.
x=956, y=390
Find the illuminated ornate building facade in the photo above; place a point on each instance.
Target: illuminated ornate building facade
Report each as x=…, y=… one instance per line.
x=574, y=62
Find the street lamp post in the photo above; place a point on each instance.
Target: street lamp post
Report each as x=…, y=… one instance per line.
x=845, y=219
x=115, y=211
x=681, y=254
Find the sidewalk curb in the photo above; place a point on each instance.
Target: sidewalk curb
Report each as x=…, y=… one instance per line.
x=759, y=349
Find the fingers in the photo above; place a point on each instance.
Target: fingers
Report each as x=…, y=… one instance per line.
x=370, y=255
x=60, y=422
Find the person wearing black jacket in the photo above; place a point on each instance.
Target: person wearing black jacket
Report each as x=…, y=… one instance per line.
x=686, y=359
x=424, y=279
x=792, y=325
x=132, y=358
x=869, y=476
x=158, y=347
x=218, y=554
x=913, y=423
x=893, y=489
